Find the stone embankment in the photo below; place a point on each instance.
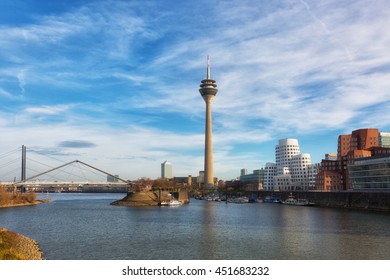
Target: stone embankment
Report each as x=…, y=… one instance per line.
x=14, y=246
x=374, y=200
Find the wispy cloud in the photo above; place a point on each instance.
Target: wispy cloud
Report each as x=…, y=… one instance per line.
x=46, y=110
x=7, y=94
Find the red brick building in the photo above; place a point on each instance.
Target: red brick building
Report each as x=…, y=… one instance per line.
x=360, y=143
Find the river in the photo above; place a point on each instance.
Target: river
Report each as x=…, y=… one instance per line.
x=86, y=227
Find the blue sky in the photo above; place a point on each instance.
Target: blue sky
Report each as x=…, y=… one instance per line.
x=115, y=83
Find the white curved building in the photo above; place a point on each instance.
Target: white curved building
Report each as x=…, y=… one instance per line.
x=293, y=169
x=284, y=152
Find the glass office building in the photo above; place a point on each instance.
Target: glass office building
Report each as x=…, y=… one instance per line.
x=370, y=174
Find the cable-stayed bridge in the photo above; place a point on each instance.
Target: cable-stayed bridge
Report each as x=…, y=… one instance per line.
x=74, y=176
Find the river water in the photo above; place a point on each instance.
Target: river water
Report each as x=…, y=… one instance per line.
x=86, y=227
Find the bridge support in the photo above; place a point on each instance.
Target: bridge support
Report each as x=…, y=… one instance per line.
x=23, y=174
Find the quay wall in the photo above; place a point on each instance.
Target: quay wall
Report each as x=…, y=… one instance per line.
x=343, y=199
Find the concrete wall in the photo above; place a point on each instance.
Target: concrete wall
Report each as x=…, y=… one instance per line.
x=353, y=200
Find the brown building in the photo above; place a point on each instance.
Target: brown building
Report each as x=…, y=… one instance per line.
x=327, y=180
x=354, y=146
x=360, y=139
x=360, y=143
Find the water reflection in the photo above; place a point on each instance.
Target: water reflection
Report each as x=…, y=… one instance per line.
x=208, y=242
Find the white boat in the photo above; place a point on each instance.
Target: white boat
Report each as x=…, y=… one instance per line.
x=171, y=203
x=291, y=200
x=174, y=203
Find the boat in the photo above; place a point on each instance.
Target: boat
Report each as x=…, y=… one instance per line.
x=254, y=199
x=241, y=199
x=272, y=199
x=171, y=203
x=291, y=200
x=174, y=203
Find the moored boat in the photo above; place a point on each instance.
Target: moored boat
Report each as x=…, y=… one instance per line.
x=291, y=200
x=171, y=203
x=241, y=199
x=272, y=199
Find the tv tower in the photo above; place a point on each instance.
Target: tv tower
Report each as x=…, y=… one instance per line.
x=208, y=89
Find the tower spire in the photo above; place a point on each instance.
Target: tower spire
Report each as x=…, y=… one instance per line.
x=208, y=68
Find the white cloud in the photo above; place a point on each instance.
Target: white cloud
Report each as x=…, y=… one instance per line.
x=46, y=110
x=6, y=94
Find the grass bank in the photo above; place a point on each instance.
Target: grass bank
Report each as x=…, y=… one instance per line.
x=14, y=246
x=8, y=199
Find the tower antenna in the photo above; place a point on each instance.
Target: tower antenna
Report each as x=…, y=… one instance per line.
x=208, y=68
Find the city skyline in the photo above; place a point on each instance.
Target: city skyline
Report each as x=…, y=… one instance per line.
x=116, y=83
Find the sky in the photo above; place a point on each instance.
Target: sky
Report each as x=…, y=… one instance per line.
x=115, y=83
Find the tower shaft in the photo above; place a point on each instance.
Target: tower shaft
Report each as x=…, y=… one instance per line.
x=208, y=151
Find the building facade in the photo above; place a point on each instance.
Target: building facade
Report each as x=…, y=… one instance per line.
x=361, y=144
x=327, y=180
x=270, y=171
x=384, y=139
x=329, y=177
x=284, y=152
x=293, y=170
x=300, y=167
x=353, y=146
x=370, y=174
x=252, y=182
x=166, y=170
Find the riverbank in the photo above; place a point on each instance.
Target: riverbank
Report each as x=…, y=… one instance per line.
x=14, y=246
x=23, y=204
x=14, y=199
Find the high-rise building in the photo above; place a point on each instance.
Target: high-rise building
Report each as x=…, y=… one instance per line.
x=166, y=170
x=208, y=90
